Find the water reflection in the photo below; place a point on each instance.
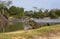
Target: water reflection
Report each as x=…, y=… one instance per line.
x=27, y=27
x=13, y=26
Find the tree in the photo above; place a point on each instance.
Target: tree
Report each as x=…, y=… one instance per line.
x=3, y=6
x=16, y=12
x=53, y=14
x=46, y=13
x=58, y=12
x=12, y=10
x=20, y=12
x=38, y=13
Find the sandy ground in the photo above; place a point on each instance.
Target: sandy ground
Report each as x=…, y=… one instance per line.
x=51, y=36
x=39, y=37
x=21, y=31
x=14, y=32
x=47, y=36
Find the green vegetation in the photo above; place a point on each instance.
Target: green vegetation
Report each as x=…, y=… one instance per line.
x=13, y=26
x=19, y=12
x=31, y=34
x=4, y=7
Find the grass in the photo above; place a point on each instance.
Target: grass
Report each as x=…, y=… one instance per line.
x=31, y=34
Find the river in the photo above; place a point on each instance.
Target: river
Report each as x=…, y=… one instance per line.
x=19, y=25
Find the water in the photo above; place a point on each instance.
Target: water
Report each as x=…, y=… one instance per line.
x=15, y=26
x=18, y=25
x=48, y=20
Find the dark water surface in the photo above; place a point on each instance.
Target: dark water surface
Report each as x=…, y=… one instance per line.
x=14, y=26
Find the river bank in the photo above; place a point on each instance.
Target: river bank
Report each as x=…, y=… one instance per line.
x=47, y=32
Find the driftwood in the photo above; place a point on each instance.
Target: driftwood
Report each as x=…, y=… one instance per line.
x=35, y=25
